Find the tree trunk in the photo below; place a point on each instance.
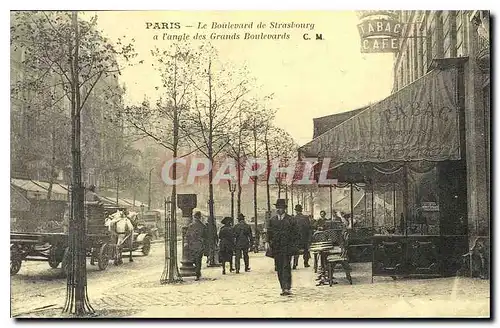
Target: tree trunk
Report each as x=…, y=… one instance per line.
x=311, y=202
x=212, y=229
x=268, y=163
x=286, y=194
x=255, y=182
x=77, y=301
x=171, y=272
x=239, y=187
x=52, y=163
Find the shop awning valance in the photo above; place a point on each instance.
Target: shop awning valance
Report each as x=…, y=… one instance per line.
x=419, y=122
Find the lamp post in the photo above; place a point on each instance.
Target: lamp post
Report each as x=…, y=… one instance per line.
x=186, y=202
x=142, y=211
x=149, y=190
x=232, y=189
x=171, y=272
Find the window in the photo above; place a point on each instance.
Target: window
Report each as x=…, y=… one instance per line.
x=407, y=65
x=428, y=46
x=437, y=36
x=416, y=54
x=460, y=28
x=423, y=46
x=450, y=34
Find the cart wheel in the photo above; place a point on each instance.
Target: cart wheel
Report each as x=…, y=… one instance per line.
x=146, y=246
x=15, y=265
x=53, y=262
x=103, y=259
x=65, y=261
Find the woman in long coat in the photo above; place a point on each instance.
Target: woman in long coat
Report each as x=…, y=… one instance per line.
x=226, y=244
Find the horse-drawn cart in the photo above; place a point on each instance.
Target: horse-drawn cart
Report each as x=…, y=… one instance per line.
x=53, y=248
x=100, y=243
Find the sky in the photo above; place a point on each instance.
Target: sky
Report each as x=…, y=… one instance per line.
x=309, y=78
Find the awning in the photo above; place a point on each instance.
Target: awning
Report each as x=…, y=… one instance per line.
x=35, y=189
x=18, y=202
x=112, y=201
x=419, y=122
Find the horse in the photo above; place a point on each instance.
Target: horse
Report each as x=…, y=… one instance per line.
x=121, y=229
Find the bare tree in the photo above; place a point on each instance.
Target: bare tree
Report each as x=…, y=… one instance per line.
x=218, y=92
x=281, y=149
x=161, y=122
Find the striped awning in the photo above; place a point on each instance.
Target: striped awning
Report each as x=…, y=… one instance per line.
x=417, y=123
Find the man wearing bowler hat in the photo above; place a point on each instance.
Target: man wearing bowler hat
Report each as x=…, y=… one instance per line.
x=282, y=237
x=305, y=231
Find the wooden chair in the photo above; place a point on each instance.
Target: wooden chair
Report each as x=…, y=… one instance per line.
x=319, y=243
x=339, y=258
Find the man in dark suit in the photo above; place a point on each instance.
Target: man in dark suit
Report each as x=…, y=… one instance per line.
x=196, y=239
x=243, y=239
x=305, y=231
x=282, y=237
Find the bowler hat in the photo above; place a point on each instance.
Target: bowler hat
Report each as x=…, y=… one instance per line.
x=227, y=220
x=298, y=208
x=281, y=203
x=241, y=217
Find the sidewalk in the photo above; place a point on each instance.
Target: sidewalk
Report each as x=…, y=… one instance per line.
x=256, y=294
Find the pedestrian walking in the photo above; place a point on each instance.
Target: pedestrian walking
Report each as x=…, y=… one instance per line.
x=305, y=235
x=243, y=239
x=196, y=240
x=226, y=244
x=282, y=237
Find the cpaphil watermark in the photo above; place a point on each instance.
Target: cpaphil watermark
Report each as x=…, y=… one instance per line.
x=193, y=170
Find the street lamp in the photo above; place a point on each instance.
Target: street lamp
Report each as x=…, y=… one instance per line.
x=142, y=211
x=232, y=189
x=149, y=192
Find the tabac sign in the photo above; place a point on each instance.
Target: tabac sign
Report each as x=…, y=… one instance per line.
x=379, y=31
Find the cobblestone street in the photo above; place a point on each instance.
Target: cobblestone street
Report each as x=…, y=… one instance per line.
x=135, y=291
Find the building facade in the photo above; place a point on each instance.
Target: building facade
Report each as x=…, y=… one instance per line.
x=41, y=125
x=432, y=35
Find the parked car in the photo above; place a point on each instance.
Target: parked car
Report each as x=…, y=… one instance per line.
x=151, y=222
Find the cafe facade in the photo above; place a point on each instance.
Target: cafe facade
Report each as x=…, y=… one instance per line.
x=421, y=154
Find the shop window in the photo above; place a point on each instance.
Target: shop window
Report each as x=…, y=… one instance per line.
x=385, y=209
x=423, y=203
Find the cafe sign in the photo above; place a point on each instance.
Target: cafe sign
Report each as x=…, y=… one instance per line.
x=379, y=27
x=379, y=45
x=380, y=32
